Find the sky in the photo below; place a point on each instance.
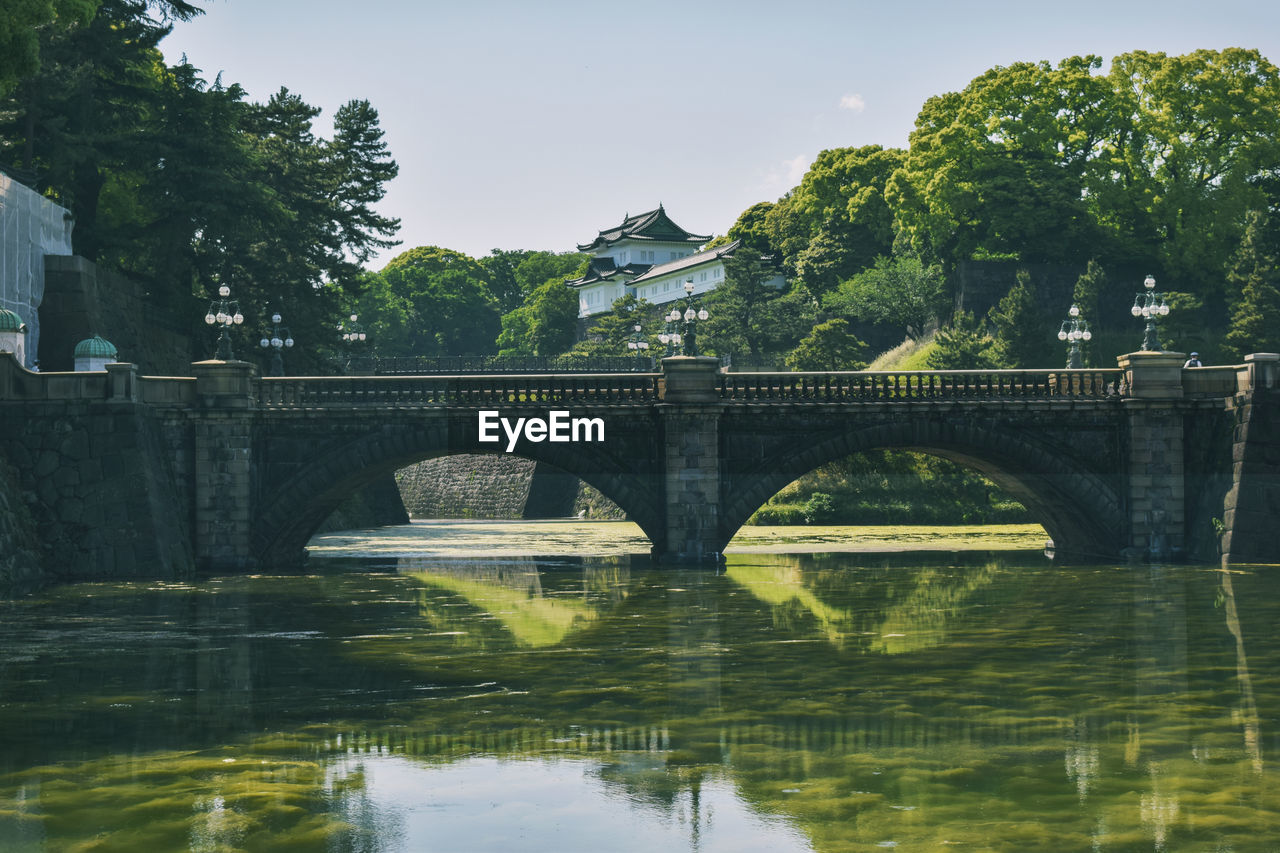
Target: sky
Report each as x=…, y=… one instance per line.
x=534, y=125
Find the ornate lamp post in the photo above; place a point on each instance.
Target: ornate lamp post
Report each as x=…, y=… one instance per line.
x=1075, y=330
x=225, y=312
x=352, y=333
x=638, y=346
x=276, y=343
x=669, y=337
x=1145, y=305
x=688, y=335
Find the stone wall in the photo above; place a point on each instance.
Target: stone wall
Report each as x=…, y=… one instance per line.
x=376, y=505
x=96, y=479
x=1252, y=507
x=498, y=486
x=81, y=300
x=19, y=543
x=466, y=486
x=1207, y=469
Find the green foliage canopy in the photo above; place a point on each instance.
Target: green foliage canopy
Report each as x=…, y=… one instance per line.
x=829, y=346
x=899, y=291
x=431, y=301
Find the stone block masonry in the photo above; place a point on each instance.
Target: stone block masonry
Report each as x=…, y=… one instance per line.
x=467, y=486
x=1252, y=506
x=136, y=476
x=98, y=484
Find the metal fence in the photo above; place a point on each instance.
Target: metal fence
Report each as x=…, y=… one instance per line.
x=460, y=365
x=922, y=385
x=508, y=389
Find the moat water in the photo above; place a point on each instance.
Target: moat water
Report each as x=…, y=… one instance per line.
x=393, y=701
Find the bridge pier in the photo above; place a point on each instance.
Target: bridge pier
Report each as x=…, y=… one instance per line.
x=690, y=410
x=1156, y=498
x=224, y=466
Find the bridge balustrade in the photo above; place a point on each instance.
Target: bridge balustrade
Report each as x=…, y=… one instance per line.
x=499, y=390
x=866, y=385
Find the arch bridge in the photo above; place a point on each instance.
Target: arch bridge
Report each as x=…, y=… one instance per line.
x=1113, y=462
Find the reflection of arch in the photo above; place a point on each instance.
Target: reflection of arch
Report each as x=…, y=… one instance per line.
x=291, y=510
x=1079, y=509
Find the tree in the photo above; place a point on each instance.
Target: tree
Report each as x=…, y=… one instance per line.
x=962, y=345
x=1023, y=337
x=431, y=301
x=752, y=229
x=609, y=332
x=545, y=325
x=1255, y=317
x=515, y=275
x=829, y=346
x=999, y=167
x=740, y=317
x=1190, y=136
x=21, y=23
x=359, y=167
x=898, y=291
x=836, y=222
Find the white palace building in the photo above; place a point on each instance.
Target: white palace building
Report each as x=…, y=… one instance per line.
x=651, y=257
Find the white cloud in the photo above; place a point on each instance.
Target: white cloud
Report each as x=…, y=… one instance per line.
x=853, y=102
x=795, y=168
x=786, y=174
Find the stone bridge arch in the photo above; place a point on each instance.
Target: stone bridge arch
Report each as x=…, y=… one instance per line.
x=1075, y=492
x=303, y=472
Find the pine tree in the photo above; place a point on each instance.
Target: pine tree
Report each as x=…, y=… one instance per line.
x=1255, y=317
x=1022, y=337
x=963, y=345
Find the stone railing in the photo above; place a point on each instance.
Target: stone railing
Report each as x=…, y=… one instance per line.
x=1210, y=381
x=506, y=390
x=167, y=390
x=19, y=384
x=921, y=385
x=460, y=365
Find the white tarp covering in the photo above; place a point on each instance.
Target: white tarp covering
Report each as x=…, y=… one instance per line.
x=31, y=227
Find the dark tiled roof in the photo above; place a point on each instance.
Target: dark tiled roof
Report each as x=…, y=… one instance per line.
x=697, y=259
x=653, y=225
x=603, y=269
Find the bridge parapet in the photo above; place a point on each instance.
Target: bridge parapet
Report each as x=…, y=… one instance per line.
x=865, y=385
x=439, y=391
x=1209, y=382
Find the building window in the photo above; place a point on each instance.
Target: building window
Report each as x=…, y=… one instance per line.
x=717, y=275
x=703, y=277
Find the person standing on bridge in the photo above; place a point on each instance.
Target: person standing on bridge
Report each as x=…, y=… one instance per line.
x=1194, y=361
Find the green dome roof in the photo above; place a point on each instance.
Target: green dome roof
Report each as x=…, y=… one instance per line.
x=10, y=321
x=95, y=347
